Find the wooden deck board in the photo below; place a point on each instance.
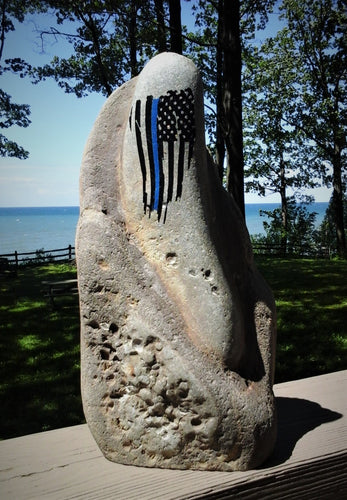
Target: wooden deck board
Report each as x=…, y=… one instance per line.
x=310, y=459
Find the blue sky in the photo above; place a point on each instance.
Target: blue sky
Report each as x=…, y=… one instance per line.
x=60, y=125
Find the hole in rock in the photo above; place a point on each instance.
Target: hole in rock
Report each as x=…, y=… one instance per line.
x=104, y=211
x=150, y=339
x=171, y=258
x=183, y=393
x=195, y=421
x=93, y=324
x=115, y=394
x=200, y=400
x=107, y=345
x=104, y=353
x=113, y=328
x=190, y=436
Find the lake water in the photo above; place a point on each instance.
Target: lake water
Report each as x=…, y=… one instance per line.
x=31, y=228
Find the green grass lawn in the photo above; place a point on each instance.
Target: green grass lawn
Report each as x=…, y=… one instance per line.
x=311, y=301
x=39, y=356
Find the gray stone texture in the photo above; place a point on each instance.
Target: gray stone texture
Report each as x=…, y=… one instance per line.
x=177, y=325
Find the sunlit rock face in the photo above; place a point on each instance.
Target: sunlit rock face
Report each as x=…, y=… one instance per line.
x=177, y=325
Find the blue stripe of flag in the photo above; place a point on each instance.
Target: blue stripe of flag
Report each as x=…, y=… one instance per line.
x=155, y=151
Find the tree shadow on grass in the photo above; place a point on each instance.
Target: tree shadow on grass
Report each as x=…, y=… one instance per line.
x=39, y=356
x=39, y=370
x=296, y=417
x=311, y=310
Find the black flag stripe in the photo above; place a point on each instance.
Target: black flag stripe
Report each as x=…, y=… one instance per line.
x=140, y=151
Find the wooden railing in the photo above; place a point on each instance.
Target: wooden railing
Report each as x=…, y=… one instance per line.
x=10, y=261
x=297, y=250
x=13, y=260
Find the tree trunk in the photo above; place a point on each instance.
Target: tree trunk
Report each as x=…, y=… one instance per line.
x=159, y=11
x=89, y=22
x=175, y=26
x=2, y=27
x=220, y=145
x=284, y=208
x=338, y=204
x=232, y=99
x=132, y=39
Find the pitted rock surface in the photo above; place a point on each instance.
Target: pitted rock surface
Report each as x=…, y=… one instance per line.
x=177, y=325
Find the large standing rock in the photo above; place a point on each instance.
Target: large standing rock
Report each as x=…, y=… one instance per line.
x=177, y=326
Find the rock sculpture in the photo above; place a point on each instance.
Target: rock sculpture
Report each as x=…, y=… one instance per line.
x=177, y=325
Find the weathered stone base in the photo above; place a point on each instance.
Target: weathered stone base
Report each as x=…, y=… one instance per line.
x=177, y=326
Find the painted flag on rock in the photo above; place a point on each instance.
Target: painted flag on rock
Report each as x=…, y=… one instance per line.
x=165, y=134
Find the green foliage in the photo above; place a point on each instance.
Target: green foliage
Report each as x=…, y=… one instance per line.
x=299, y=233
x=202, y=47
x=316, y=40
x=40, y=257
x=10, y=112
x=277, y=156
x=295, y=113
x=325, y=236
x=12, y=149
x=111, y=41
